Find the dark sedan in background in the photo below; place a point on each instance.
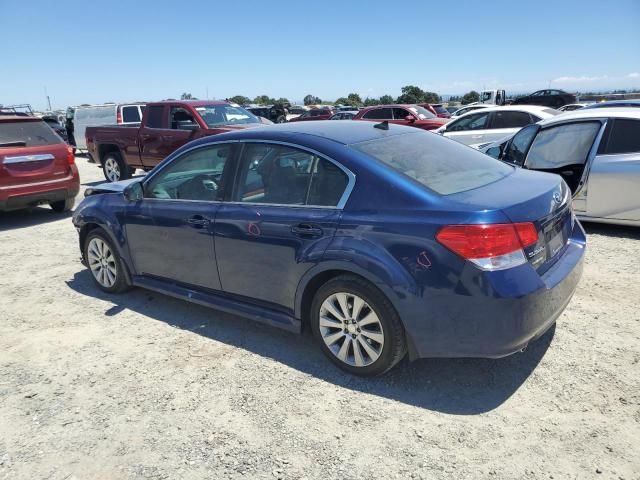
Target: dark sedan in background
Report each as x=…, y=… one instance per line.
x=382, y=239
x=547, y=98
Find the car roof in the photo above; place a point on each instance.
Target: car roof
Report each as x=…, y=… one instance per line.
x=345, y=133
x=615, y=103
x=193, y=103
x=587, y=113
x=391, y=105
x=536, y=109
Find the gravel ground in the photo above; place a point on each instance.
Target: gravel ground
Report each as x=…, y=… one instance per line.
x=145, y=386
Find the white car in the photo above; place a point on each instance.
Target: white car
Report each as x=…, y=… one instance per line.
x=469, y=108
x=476, y=129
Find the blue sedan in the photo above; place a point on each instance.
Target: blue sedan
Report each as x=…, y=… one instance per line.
x=384, y=240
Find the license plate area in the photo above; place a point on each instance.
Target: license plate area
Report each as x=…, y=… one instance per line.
x=556, y=234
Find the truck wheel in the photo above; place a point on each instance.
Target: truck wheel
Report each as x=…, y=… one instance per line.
x=114, y=167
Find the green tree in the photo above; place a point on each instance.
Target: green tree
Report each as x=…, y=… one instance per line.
x=283, y=100
x=240, y=99
x=386, y=100
x=187, y=96
x=342, y=101
x=263, y=100
x=369, y=102
x=354, y=99
x=311, y=100
x=470, y=97
x=431, y=97
x=411, y=94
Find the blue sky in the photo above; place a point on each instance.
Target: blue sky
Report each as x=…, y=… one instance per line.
x=97, y=51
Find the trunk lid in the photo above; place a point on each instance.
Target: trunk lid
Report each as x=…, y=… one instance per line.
x=526, y=196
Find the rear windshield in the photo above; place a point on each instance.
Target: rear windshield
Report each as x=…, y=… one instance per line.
x=31, y=134
x=443, y=165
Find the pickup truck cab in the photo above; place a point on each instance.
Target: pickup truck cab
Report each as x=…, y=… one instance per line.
x=165, y=127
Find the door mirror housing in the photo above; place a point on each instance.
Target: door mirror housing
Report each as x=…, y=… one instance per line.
x=134, y=192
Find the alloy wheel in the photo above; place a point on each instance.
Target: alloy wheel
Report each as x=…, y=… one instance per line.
x=102, y=262
x=112, y=169
x=351, y=329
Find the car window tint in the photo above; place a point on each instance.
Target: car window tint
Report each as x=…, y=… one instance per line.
x=274, y=174
x=154, y=117
x=31, y=133
x=475, y=121
x=517, y=149
x=378, y=114
x=562, y=145
x=195, y=175
x=400, y=113
x=328, y=183
x=130, y=114
x=510, y=119
x=181, y=119
x=441, y=165
x=624, y=137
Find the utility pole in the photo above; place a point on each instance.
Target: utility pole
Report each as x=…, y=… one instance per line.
x=48, y=99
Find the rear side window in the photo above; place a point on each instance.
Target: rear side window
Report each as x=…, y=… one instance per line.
x=476, y=121
x=507, y=119
x=378, y=114
x=130, y=114
x=29, y=134
x=442, y=165
x=155, y=117
x=624, y=138
x=561, y=146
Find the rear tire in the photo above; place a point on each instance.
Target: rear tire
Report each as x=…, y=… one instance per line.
x=114, y=168
x=104, y=263
x=63, y=205
x=357, y=327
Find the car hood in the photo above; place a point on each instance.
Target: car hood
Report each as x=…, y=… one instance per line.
x=113, y=187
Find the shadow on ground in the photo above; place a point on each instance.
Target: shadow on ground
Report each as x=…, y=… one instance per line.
x=30, y=217
x=618, y=231
x=455, y=386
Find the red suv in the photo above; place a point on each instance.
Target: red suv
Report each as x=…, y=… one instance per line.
x=412, y=115
x=437, y=109
x=36, y=166
x=315, y=114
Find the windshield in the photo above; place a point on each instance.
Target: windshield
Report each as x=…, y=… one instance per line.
x=422, y=112
x=217, y=115
x=443, y=165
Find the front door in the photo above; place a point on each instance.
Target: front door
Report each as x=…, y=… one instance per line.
x=283, y=213
x=170, y=231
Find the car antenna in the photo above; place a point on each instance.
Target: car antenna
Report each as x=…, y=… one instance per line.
x=382, y=126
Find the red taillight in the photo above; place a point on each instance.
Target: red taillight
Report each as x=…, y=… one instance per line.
x=492, y=247
x=71, y=159
x=118, y=117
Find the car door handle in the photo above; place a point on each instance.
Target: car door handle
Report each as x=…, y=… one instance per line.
x=306, y=230
x=198, y=221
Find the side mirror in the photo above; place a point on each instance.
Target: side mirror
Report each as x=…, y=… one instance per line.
x=133, y=192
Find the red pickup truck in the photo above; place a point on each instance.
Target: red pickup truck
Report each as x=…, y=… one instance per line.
x=165, y=127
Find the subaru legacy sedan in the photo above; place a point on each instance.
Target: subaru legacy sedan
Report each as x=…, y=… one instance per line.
x=384, y=240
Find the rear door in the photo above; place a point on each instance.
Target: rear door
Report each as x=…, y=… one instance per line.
x=614, y=176
x=30, y=152
x=284, y=211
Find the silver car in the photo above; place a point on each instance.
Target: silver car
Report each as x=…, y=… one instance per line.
x=596, y=151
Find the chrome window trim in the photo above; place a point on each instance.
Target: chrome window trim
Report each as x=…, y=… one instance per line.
x=28, y=158
x=351, y=177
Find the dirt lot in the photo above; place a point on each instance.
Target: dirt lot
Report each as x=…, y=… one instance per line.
x=144, y=386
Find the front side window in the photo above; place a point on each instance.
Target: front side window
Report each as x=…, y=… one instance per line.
x=625, y=137
x=517, y=149
x=439, y=164
x=475, y=121
x=217, y=115
x=378, y=114
x=181, y=119
x=400, y=113
x=562, y=145
x=195, y=175
x=280, y=175
x=510, y=119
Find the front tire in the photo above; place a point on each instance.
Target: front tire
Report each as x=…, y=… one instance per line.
x=357, y=326
x=114, y=168
x=104, y=263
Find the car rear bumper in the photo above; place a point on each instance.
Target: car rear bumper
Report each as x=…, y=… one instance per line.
x=495, y=314
x=15, y=197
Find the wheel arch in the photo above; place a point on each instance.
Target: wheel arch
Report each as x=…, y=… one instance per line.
x=106, y=148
